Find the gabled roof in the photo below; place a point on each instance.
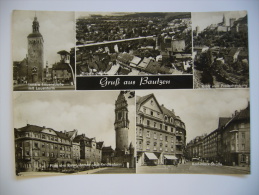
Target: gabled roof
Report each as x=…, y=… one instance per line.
x=223, y=121
x=142, y=100
x=167, y=112
x=99, y=145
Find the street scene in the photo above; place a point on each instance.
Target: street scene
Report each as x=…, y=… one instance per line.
x=208, y=133
x=220, y=51
x=133, y=43
x=43, y=51
x=99, y=133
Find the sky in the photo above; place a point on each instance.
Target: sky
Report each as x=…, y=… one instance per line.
x=201, y=109
x=204, y=19
x=88, y=14
x=90, y=112
x=57, y=29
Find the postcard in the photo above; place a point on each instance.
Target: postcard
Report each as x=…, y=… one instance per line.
x=130, y=93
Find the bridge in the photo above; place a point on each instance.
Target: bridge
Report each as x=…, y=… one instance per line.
x=115, y=41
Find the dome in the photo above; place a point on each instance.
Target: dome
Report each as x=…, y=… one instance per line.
x=34, y=35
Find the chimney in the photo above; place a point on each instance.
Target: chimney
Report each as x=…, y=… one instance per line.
x=173, y=111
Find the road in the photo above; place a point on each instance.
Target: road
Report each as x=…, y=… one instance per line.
x=116, y=170
x=188, y=168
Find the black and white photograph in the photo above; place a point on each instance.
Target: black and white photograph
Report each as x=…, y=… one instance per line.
x=193, y=131
x=43, y=46
x=220, y=49
x=77, y=133
x=133, y=43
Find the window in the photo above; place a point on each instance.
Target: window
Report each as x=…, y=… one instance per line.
x=161, y=137
x=166, y=118
x=43, y=136
x=43, y=145
x=154, y=124
x=166, y=128
x=27, y=153
x=161, y=126
x=36, y=145
x=243, y=158
x=43, y=153
x=152, y=113
x=145, y=110
x=243, y=146
x=119, y=116
x=155, y=137
x=171, y=120
x=140, y=132
x=148, y=122
x=51, y=146
x=243, y=135
x=148, y=134
x=242, y=125
x=165, y=138
x=140, y=120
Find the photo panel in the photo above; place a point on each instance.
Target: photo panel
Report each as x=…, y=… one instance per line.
x=193, y=131
x=43, y=48
x=58, y=133
x=220, y=49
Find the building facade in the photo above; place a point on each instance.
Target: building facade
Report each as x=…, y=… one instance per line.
x=38, y=148
x=160, y=134
x=90, y=150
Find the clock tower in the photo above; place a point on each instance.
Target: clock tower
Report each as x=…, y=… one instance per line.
x=35, y=54
x=121, y=123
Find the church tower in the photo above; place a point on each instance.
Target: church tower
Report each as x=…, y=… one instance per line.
x=121, y=123
x=224, y=21
x=35, y=54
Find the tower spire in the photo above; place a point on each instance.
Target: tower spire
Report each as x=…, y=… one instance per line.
x=35, y=25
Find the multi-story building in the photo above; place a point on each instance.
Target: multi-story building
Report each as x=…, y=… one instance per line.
x=160, y=134
x=210, y=146
x=90, y=150
x=236, y=139
x=40, y=147
x=194, y=149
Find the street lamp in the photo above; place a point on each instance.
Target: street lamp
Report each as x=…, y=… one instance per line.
x=65, y=58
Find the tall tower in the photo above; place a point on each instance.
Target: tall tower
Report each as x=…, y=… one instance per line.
x=224, y=21
x=35, y=54
x=121, y=123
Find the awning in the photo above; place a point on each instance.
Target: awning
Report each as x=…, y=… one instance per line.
x=170, y=157
x=151, y=156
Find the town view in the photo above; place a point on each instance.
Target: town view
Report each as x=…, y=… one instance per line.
x=133, y=44
x=221, y=51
